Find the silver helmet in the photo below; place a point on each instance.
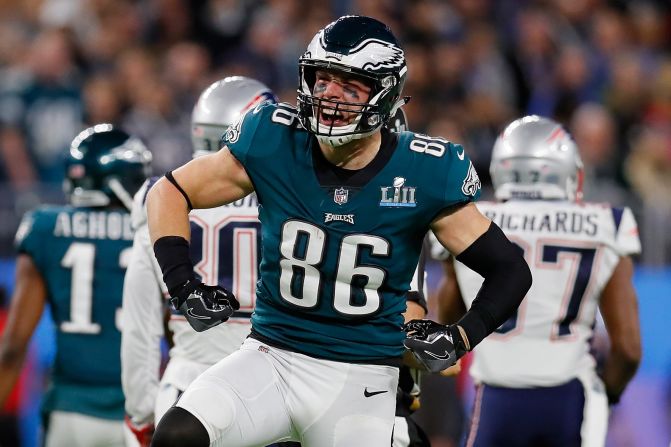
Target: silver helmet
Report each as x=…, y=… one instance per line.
x=536, y=158
x=222, y=104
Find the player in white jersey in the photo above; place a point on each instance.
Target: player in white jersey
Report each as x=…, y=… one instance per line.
x=537, y=381
x=225, y=250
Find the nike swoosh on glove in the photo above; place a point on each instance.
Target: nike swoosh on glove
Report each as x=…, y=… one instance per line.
x=435, y=346
x=204, y=306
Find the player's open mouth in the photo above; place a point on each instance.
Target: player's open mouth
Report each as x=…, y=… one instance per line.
x=334, y=118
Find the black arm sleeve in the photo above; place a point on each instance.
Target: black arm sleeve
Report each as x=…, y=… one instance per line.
x=172, y=254
x=507, y=280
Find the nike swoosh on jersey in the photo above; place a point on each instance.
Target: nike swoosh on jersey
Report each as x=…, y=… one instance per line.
x=460, y=155
x=372, y=393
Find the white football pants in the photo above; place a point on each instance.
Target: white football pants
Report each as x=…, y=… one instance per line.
x=260, y=395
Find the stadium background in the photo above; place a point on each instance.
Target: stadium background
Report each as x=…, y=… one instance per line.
x=602, y=68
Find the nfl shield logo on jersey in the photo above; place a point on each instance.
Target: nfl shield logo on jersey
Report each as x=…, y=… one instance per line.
x=340, y=196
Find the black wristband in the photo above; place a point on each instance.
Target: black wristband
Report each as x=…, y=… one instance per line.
x=172, y=254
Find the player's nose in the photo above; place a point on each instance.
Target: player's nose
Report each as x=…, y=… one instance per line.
x=333, y=90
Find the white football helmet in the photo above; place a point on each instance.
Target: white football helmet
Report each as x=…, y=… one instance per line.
x=222, y=104
x=536, y=158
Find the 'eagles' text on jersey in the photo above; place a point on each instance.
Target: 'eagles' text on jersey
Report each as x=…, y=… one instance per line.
x=336, y=264
x=572, y=250
x=82, y=254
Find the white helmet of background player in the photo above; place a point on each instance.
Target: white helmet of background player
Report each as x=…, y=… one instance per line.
x=536, y=158
x=222, y=104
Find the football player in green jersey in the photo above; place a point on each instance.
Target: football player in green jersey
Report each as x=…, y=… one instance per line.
x=344, y=206
x=73, y=258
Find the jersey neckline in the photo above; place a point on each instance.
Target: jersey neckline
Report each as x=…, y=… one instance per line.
x=330, y=176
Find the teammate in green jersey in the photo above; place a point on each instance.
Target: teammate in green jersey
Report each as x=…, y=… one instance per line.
x=73, y=258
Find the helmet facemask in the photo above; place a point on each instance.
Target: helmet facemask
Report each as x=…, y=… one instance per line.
x=370, y=115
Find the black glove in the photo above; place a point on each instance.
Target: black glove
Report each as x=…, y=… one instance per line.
x=435, y=346
x=204, y=306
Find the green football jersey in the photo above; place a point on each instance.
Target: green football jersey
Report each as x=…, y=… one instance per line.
x=82, y=254
x=337, y=262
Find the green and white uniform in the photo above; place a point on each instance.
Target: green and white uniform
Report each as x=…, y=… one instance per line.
x=81, y=254
x=336, y=265
x=337, y=261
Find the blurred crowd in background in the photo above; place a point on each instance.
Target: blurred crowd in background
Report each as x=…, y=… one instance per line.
x=602, y=68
